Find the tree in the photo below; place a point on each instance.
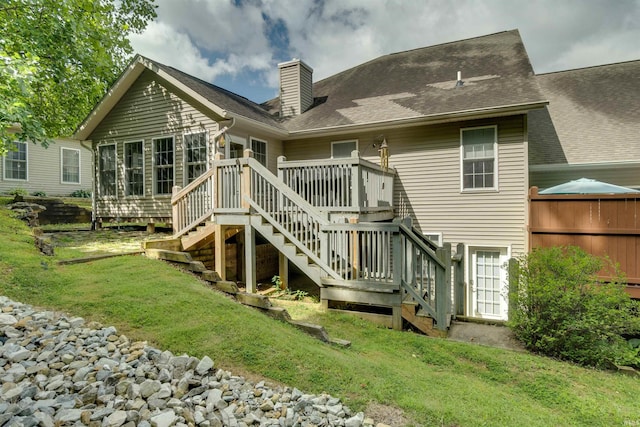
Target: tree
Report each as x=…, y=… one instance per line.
x=58, y=58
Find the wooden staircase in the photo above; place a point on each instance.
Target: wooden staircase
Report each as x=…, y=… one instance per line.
x=387, y=265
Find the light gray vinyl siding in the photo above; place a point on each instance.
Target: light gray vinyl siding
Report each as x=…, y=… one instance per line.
x=296, y=82
x=427, y=186
x=148, y=110
x=44, y=170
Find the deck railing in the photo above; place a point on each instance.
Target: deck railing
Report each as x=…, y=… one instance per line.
x=339, y=184
x=192, y=204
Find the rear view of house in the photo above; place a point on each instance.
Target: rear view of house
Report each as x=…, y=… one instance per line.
x=362, y=180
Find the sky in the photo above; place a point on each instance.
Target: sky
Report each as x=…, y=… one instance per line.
x=237, y=44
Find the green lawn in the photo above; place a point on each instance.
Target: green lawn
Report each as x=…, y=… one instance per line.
x=432, y=381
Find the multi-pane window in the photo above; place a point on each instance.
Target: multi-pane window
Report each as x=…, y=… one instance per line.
x=134, y=168
x=107, y=167
x=479, y=149
x=163, y=165
x=195, y=155
x=70, y=165
x=15, y=162
x=259, y=149
x=341, y=149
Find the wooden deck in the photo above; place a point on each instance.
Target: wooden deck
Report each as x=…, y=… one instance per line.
x=313, y=213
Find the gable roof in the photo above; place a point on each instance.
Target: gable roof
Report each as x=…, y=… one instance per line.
x=593, y=116
x=221, y=103
x=420, y=84
x=415, y=86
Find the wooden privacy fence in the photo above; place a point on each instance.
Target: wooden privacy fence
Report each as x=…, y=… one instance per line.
x=601, y=224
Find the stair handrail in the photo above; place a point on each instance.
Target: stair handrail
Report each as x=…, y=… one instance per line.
x=441, y=258
x=283, y=191
x=184, y=222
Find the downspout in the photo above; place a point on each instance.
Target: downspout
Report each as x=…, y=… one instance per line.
x=93, y=183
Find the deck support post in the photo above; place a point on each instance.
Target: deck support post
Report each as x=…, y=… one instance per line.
x=355, y=251
x=220, y=252
x=250, y=258
x=175, y=212
x=283, y=270
x=396, y=313
x=443, y=288
x=356, y=188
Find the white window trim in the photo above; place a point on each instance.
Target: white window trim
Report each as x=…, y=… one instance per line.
x=97, y=165
x=62, y=181
x=434, y=233
x=4, y=165
x=154, y=166
x=124, y=168
x=471, y=300
x=234, y=139
x=344, y=141
x=266, y=148
x=496, y=186
x=185, y=171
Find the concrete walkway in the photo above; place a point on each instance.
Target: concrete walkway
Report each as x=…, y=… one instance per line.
x=484, y=334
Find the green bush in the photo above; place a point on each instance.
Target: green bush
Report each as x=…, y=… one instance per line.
x=559, y=307
x=85, y=194
x=39, y=194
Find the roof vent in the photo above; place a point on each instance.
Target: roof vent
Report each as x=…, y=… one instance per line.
x=459, y=82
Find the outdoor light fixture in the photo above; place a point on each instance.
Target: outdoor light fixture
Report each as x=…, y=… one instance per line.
x=222, y=140
x=384, y=153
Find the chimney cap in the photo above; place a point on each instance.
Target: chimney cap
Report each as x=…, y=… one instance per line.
x=294, y=62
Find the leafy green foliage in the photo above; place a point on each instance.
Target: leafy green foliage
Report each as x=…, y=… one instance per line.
x=559, y=307
x=57, y=58
x=84, y=194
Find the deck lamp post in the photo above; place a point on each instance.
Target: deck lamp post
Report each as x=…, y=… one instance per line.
x=384, y=154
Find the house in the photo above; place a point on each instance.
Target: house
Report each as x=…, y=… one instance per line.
x=364, y=181
x=590, y=128
x=57, y=170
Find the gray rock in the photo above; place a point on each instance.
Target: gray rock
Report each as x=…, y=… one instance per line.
x=68, y=415
x=7, y=319
x=116, y=419
x=164, y=419
x=205, y=365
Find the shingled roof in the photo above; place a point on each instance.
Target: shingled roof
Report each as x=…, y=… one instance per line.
x=593, y=116
x=422, y=83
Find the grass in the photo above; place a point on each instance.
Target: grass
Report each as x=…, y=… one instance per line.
x=432, y=381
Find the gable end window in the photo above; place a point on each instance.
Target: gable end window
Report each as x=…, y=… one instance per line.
x=163, y=165
x=70, y=159
x=259, y=149
x=107, y=166
x=15, y=162
x=195, y=155
x=342, y=149
x=479, y=158
x=134, y=168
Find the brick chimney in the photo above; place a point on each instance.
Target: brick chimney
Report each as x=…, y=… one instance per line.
x=296, y=81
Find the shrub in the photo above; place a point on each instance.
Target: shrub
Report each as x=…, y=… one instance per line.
x=559, y=307
x=18, y=192
x=85, y=194
x=39, y=194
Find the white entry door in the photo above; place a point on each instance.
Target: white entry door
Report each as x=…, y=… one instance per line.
x=488, y=279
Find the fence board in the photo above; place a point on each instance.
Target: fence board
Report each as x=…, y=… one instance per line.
x=602, y=225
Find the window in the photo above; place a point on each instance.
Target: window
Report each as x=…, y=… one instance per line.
x=70, y=159
x=341, y=149
x=259, y=149
x=15, y=162
x=479, y=158
x=163, y=165
x=195, y=155
x=134, y=168
x=107, y=166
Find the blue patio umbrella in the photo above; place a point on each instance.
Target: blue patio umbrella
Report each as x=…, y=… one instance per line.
x=588, y=186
